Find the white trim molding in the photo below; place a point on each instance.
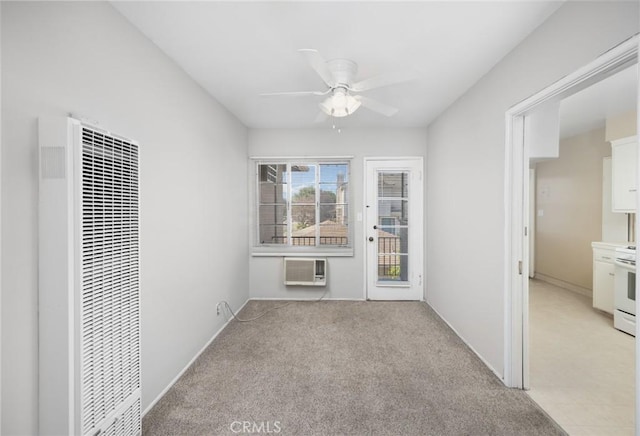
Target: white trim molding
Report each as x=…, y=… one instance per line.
x=516, y=323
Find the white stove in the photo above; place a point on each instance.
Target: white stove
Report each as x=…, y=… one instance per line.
x=624, y=315
x=626, y=254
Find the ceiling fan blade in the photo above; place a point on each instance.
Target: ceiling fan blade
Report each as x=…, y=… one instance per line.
x=317, y=62
x=376, y=106
x=384, y=80
x=294, y=93
x=321, y=117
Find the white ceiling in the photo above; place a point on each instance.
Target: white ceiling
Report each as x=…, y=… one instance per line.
x=588, y=109
x=237, y=50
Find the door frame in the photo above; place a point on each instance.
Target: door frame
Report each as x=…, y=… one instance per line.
x=366, y=160
x=516, y=265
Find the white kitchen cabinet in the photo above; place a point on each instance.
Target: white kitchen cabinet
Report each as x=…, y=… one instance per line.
x=624, y=169
x=603, y=286
x=603, y=275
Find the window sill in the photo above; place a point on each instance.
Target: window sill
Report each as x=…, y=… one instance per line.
x=301, y=252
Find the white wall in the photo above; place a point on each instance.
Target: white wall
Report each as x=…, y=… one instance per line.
x=466, y=164
x=345, y=274
x=621, y=126
x=86, y=58
x=569, y=194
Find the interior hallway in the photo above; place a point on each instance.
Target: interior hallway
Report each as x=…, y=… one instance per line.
x=582, y=369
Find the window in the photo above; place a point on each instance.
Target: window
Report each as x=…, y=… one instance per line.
x=303, y=204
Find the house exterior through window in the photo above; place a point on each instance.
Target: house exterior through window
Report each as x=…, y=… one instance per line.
x=303, y=204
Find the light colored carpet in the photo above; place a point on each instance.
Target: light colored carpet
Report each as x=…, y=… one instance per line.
x=343, y=368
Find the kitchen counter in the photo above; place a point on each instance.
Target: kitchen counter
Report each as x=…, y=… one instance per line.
x=610, y=245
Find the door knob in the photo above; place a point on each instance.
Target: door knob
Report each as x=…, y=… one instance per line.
x=375, y=227
x=370, y=238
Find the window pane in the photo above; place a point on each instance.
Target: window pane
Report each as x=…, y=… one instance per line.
x=273, y=193
x=397, y=210
x=393, y=184
x=304, y=195
x=334, y=219
x=333, y=193
x=328, y=214
x=334, y=173
x=272, y=209
x=332, y=233
x=303, y=184
x=273, y=234
x=273, y=214
x=328, y=192
x=393, y=267
x=303, y=218
x=392, y=240
x=273, y=183
x=273, y=173
x=273, y=224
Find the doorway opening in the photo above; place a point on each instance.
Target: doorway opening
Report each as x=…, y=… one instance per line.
x=581, y=369
x=516, y=197
x=518, y=218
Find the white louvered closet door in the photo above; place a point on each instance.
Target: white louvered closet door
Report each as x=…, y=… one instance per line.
x=109, y=304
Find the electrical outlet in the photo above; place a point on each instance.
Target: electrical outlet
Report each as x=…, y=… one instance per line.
x=218, y=309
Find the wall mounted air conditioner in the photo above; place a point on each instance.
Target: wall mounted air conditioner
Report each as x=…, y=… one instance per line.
x=89, y=281
x=303, y=271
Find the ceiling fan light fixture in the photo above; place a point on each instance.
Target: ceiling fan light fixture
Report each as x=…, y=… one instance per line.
x=340, y=104
x=339, y=77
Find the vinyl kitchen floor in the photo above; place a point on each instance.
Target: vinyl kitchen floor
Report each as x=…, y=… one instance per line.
x=582, y=369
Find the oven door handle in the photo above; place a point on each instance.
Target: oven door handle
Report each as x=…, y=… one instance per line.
x=628, y=264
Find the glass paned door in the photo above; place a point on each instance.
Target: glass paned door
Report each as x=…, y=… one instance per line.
x=394, y=229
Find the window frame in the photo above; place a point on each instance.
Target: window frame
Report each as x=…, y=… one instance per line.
x=259, y=249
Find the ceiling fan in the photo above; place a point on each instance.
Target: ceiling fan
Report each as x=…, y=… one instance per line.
x=343, y=92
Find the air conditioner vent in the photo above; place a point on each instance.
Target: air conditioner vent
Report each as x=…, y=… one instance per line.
x=300, y=271
x=110, y=275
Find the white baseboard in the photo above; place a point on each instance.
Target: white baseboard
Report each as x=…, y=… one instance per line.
x=305, y=299
x=177, y=377
x=500, y=376
x=565, y=285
